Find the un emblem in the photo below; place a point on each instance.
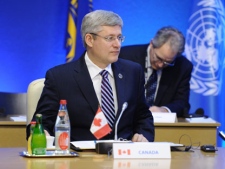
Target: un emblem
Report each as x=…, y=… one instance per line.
x=205, y=47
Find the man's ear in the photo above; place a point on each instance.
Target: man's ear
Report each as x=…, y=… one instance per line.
x=89, y=40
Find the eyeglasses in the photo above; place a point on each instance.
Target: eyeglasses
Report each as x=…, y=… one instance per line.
x=111, y=38
x=162, y=61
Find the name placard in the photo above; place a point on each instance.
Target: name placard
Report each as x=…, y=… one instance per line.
x=164, y=117
x=141, y=150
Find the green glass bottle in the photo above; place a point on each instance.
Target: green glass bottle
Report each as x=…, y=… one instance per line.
x=38, y=140
x=32, y=126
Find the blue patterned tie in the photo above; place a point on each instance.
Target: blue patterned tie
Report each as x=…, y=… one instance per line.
x=151, y=88
x=107, y=98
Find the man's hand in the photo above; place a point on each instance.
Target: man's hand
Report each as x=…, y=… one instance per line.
x=157, y=109
x=139, y=138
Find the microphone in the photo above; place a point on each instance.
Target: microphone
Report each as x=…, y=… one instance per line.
x=125, y=105
x=198, y=113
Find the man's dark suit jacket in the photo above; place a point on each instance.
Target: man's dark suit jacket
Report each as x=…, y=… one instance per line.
x=174, y=88
x=72, y=82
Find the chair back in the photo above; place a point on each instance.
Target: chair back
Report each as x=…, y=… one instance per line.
x=33, y=95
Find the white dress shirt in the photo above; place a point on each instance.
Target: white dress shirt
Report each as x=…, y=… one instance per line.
x=96, y=78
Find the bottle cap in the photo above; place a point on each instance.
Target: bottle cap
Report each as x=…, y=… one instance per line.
x=33, y=122
x=62, y=101
x=38, y=115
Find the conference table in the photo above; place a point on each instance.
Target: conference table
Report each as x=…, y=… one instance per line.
x=10, y=159
x=13, y=133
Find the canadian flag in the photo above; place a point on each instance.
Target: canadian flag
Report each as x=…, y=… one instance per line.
x=124, y=152
x=100, y=126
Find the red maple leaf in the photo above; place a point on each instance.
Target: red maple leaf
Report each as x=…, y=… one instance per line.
x=97, y=122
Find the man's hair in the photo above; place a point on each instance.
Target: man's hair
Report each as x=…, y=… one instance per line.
x=169, y=35
x=93, y=22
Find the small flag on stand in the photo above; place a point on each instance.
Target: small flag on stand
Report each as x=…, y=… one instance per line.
x=100, y=126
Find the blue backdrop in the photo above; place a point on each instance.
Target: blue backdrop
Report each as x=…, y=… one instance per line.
x=33, y=37
x=33, y=33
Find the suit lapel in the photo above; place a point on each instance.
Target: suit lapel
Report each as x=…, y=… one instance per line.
x=85, y=84
x=120, y=80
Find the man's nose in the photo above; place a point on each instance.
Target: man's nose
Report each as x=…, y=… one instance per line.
x=117, y=43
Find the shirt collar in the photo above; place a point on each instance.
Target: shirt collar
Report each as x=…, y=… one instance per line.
x=94, y=70
x=148, y=57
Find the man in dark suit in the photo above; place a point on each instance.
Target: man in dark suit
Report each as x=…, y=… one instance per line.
x=163, y=55
x=79, y=83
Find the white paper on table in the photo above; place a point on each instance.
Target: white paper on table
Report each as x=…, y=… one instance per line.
x=19, y=118
x=91, y=144
x=84, y=144
x=200, y=120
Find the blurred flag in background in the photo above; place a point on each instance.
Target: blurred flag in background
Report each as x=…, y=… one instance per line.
x=77, y=10
x=205, y=48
